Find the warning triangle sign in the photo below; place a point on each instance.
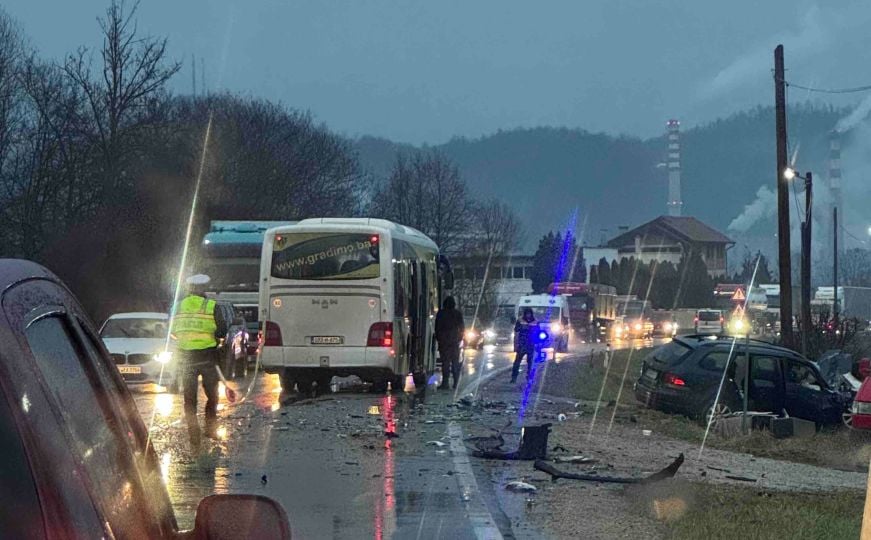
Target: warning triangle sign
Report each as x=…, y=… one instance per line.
x=739, y=296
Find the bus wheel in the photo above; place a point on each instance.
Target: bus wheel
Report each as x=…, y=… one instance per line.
x=323, y=382
x=287, y=383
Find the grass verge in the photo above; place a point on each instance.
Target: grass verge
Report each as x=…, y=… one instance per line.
x=713, y=511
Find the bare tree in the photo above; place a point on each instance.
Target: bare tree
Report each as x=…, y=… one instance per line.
x=493, y=235
x=133, y=75
x=426, y=192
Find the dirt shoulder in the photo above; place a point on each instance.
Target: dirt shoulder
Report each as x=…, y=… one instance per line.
x=617, y=441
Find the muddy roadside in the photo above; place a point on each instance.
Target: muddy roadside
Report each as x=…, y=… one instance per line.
x=619, y=443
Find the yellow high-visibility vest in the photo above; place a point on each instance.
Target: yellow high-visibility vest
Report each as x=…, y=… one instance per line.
x=194, y=324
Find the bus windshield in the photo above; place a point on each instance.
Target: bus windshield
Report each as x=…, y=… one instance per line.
x=546, y=313
x=325, y=256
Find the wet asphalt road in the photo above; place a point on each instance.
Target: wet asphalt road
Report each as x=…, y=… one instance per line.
x=328, y=460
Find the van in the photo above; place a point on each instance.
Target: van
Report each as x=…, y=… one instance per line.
x=709, y=321
x=552, y=314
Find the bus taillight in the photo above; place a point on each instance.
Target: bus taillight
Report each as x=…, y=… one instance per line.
x=380, y=335
x=273, y=335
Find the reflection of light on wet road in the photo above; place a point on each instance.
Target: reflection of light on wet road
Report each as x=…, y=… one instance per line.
x=163, y=404
x=270, y=397
x=385, y=508
x=222, y=433
x=490, y=365
x=165, y=462
x=220, y=406
x=221, y=389
x=374, y=410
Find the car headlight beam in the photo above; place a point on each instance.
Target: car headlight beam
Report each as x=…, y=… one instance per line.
x=163, y=357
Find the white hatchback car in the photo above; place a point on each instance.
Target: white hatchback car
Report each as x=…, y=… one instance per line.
x=136, y=342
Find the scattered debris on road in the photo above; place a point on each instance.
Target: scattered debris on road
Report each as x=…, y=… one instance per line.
x=521, y=487
x=574, y=459
x=556, y=474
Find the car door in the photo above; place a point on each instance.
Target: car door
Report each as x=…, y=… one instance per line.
x=81, y=393
x=766, y=383
x=807, y=396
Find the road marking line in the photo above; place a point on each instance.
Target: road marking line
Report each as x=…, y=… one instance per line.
x=482, y=521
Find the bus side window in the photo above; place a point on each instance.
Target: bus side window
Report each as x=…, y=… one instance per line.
x=399, y=289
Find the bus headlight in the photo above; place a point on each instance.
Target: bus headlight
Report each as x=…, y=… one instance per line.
x=738, y=325
x=556, y=328
x=638, y=326
x=163, y=357
x=666, y=326
x=489, y=333
x=470, y=335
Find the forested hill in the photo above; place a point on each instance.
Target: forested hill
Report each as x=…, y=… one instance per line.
x=546, y=172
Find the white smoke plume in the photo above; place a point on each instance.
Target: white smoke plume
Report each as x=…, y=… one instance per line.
x=811, y=35
x=765, y=205
x=856, y=115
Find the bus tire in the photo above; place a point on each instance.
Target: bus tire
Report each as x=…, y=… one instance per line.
x=323, y=384
x=287, y=382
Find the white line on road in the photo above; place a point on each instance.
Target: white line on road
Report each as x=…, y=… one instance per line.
x=482, y=521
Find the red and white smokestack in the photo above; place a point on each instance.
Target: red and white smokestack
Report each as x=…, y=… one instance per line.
x=835, y=186
x=675, y=203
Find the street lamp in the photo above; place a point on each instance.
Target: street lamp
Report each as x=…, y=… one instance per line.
x=789, y=173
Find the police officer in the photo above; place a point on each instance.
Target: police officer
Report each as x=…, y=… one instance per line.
x=197, y=328
x=524, y=343
x=449, y=330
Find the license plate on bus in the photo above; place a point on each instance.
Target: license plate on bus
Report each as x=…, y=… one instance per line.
x=130, y=370
x=650, y=374
x=327, y=340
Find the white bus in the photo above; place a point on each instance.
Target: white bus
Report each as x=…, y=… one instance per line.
x=349, y=296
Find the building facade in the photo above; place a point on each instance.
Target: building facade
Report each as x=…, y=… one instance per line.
x=668, y=238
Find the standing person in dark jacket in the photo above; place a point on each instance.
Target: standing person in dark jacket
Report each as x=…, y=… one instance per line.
x=524, y=345
x=449, y=330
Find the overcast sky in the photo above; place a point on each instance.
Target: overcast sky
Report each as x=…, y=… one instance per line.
x=418, y=71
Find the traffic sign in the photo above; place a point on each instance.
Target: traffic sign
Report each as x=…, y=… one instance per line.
x=739, y=296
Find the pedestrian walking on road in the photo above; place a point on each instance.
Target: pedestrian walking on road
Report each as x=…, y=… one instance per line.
x=524, y=343
x=196, y=327
x=449, y=330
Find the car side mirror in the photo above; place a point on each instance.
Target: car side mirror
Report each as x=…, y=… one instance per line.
x=225, y=517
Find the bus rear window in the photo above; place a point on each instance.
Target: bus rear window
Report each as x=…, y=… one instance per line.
x=325, y=256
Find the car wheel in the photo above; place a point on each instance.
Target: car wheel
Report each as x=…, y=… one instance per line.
x=241, y=367
x=712, y=415
x=847, y=419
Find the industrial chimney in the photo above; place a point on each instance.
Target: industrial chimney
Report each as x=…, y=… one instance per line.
x=835, y=188
x=674, y=201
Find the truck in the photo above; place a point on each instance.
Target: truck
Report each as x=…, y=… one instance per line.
x=230, y=256
x=633, y=316
x=852, y=301
x=592, y=308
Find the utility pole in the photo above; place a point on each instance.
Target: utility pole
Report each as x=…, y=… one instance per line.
x=784, y=263
x=806, y=264
x=835, y=309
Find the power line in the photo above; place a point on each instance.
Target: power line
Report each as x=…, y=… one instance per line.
x=848, y=233
x=853, y=90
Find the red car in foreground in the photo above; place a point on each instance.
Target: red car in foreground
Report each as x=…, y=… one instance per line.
x=859, y=416
x=76, y=461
